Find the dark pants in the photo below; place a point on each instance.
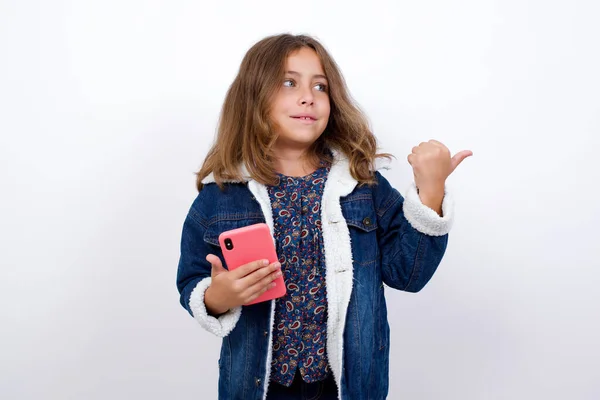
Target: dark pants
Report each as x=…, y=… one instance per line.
x=300, y=390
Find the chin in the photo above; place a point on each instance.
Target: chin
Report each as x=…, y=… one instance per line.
x=298, y=140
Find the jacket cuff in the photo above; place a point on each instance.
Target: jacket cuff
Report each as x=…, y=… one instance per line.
x=423, y=218
x=220, y=326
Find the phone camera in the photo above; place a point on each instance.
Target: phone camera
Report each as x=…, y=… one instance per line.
x=228, y=244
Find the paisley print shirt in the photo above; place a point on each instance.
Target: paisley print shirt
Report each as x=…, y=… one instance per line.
x=300, y=331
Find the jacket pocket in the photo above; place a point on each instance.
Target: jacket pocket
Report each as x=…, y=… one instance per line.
x=361, y=218
x=226, y=222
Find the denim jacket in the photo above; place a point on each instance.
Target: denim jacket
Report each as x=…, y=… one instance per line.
x=372, y=236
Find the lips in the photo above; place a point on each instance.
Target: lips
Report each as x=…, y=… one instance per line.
x=305, y=117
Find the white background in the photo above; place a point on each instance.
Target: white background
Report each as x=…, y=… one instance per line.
x=107, y=108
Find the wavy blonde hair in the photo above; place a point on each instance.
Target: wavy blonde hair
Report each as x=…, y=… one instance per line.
x=245, y=135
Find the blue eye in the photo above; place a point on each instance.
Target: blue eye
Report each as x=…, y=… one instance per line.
x=323, y=87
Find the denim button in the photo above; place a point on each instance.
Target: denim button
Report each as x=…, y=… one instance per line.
x=367, y=221
x=265, y=333
x=257, y=381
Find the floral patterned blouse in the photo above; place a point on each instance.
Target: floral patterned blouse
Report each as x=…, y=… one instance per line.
x=300, y=331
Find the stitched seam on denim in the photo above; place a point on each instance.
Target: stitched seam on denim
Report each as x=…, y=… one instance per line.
x=195, y=216
x=375, y=312
x=358, y=224
x=365, y=263
x=388, y=203
x=349, y=199
x=357, y=325
x=212, y=242
x=230, y=362
x=381, y=344
x=399, y=248
x=416, y=265
x=361, y=227
x=235, y=217
x=393, y=256
x=211, y=239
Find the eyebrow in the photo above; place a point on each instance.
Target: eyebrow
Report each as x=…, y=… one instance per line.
x=319, y=76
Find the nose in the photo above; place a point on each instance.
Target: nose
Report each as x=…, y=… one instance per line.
x=306, y=97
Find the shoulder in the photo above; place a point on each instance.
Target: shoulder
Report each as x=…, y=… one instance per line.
x=213, y=200
x=381, y=192
x=384, y=194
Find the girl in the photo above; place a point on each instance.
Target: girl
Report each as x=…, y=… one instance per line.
x=292, y=150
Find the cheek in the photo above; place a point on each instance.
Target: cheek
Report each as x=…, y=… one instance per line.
x=326, y=110
x=278, y=105
x=285, y=103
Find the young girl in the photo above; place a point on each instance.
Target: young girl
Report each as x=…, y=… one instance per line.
x=293, y=151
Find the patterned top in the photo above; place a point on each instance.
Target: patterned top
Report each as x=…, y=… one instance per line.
x=300, y=330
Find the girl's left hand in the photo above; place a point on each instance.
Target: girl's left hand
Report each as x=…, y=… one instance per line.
x=432, y=164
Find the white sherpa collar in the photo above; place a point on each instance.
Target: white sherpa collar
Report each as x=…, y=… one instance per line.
x=338, y=157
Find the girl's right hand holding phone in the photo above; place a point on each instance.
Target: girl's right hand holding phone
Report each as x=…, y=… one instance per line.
x=229, y=289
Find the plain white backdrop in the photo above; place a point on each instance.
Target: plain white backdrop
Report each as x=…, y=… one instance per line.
x=107, y=108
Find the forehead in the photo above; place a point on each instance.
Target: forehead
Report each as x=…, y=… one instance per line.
x=305, y=61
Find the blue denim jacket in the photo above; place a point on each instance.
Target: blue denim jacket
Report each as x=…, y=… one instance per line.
x=373, y=237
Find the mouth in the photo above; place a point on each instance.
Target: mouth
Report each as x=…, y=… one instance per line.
x=304, y=117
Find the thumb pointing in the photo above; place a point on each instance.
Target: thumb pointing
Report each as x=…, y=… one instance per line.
x=459, y=157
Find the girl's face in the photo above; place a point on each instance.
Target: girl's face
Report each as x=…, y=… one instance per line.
x=300, y=109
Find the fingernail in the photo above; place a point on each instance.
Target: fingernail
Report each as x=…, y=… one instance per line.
x=277, y=264
x=265, y=262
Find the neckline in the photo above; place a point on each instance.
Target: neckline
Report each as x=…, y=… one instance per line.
x=322, y=165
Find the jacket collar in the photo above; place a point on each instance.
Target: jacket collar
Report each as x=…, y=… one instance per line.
x=340, y=170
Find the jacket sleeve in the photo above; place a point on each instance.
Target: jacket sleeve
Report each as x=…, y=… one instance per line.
x=412, y=237
x=193, y=277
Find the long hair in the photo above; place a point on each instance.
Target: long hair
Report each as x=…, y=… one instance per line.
x=245, y=134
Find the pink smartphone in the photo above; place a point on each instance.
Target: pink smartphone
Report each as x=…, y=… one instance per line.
x=251, y=243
